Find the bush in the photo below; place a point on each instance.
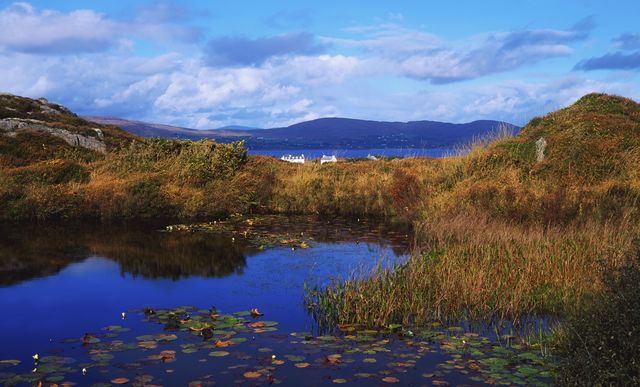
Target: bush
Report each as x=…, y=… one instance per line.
x=207, y=160
x=51, y=172
x=145, y=199
x=601, y=344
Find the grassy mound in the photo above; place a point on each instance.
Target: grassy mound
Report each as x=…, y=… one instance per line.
x=503, y=233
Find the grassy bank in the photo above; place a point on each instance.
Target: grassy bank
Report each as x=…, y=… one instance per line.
x=477, y=269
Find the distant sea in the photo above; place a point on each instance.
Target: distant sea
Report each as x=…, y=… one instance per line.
x=356, y=153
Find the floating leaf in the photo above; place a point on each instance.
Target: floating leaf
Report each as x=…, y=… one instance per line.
x=166, y=337
x=390, y=379
x=102, y=357
x=219, y=353
x=89, y=339
x=145, y=338
x=340, y=381
x=221, y=343
x=9, y=363
x=252, y=375
x=302, y=365
x=120, y=381
x=148, y=344
x=333, y=359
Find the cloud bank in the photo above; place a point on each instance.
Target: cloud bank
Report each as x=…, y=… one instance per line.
x=90, y=62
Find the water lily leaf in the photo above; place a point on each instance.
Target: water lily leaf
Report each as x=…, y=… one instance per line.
x=120, y=381
x=390, y=379
x=302, y=365
x=339, y=381
x=166, y=337
x=252, y=375
x=145, y=338
x=89, y=339
x=148, y=344
x=333, y=359
x=294, y=358
x=9, y=363
x=221, y=343
x=369, y=360
x=219, y=353
x=55, y=378
x=102, y=357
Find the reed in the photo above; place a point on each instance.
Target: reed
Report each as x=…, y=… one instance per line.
x=477, y=269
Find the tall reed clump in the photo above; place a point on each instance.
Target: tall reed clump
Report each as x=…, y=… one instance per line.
x=470, y=268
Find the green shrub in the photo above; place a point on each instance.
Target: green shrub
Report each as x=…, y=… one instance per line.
x=600, y=345
x=206, y=160
x=145, y=199
x=51, y=172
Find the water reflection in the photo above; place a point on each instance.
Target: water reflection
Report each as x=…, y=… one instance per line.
x=32, y=251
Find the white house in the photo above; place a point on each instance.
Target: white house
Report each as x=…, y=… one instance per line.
x=328, y=159
x=293, y=159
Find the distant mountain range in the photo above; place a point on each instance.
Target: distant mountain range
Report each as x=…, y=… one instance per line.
x=342, y=133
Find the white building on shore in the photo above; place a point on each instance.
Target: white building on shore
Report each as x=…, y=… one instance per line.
x=328, y=159
x=293, y=159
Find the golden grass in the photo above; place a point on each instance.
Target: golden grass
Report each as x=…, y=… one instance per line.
x=474, y=267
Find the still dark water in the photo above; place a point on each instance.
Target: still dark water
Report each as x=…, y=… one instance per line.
x=58, y=283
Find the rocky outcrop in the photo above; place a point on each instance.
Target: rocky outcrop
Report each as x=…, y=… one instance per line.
x=10, y=126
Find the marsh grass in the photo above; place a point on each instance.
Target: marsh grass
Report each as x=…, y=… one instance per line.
x=480, y=270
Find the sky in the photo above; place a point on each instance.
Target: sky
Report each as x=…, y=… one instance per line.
x=208, y=64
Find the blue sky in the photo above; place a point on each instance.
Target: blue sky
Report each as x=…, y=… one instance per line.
x=207, y=64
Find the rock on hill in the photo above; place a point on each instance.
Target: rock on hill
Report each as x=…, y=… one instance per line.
x=36, y=129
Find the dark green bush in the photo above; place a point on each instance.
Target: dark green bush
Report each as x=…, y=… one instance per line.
x=146, y=199
x=51, y=172
x=600, y=345
x=206, y=160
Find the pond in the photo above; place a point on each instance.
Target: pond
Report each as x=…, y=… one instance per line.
x=193, y=301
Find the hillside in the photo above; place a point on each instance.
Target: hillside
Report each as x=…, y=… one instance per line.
x=32, y=130
x=146, y=129
x=589, y=170
x=343, y=133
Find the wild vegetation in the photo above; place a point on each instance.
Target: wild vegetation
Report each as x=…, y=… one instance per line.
x=501, y=232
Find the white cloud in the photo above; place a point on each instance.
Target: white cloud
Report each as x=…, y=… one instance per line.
x=424, y=56
x=28, y=29
x=380, y=74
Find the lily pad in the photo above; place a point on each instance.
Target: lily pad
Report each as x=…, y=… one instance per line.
x=219, y=353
